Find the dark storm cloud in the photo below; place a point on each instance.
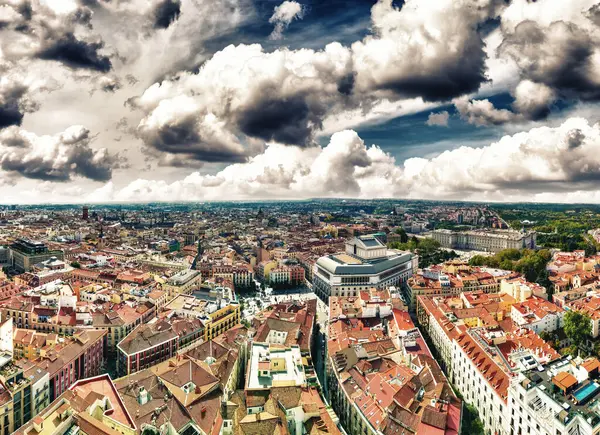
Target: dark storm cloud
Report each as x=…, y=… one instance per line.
x=284, y=120
x=14, y=104
x=93, y=3
x=488, y=26
x=560, y=56
x=170, y=160
x=111, y=88
x=76, y=53
x=346, y=84
x=444, y=81
x=44, y=33
x=186, y=137
x=536, y=112
x=575, y=138
x=107, y=84
x=593, y=14
x=82, y=16
x=437, y=53
x=177, y=137
x=166, y=12
x=10, y=115
x=35, y=168
x=86, y=163
x=25, y=10
x=57, y=158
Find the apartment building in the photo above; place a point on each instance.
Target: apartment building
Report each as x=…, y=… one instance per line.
x=70, y=359
x=482, y=351
x=25, y=253
x=538, y=314
x=222, y=320
x=16, y=397
x=119, y=320
x=183, y=282
x=89, y=406
x=271, y=366
x=559, y=398
x=287, y=324
x=453, y=278
x=378, y=365
x=242, y=276
x=217, y=316
x=147, y=345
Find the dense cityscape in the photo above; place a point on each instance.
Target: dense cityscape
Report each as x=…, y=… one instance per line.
x=299, y=217
x=310, y=317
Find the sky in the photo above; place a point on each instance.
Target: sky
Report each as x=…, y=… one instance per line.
x=193, y=100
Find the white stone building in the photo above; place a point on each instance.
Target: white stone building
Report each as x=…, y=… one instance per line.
x=365, y=264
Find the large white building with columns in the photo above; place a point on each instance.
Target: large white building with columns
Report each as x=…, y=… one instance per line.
x=485, y=240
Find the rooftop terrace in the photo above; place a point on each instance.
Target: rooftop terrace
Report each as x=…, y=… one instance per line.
x=572, y=387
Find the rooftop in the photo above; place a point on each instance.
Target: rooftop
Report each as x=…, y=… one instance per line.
x=348, y=264
x=147, y=336
x=284, y=366
x=574, y=390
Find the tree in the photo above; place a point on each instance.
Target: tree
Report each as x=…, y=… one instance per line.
x=577, y=327
x=403, y=236
x=492, y=262
x=508, y=254
x=427, y=249
x=530, y=263
x=477, y=260
x=471, y=424
x=428, y=245
x=76, y=265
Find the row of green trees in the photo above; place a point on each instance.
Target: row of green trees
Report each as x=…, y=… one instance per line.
x=428, y=250
x=530, y=263
x=562, y=227
x=567, y=242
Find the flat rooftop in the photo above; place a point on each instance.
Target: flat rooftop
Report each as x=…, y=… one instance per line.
x=183, y=277
x=347, y=264
x=347, y=259
x=284, y=364
x=545, y=381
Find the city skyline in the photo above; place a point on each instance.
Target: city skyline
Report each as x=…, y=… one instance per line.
x=213, y=100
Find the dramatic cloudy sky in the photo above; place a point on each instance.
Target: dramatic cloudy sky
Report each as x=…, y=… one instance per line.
x=135, y=100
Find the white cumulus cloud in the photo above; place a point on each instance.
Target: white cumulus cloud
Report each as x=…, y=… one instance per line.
x=439, y=119
x=283, y=15
x=535, y=163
